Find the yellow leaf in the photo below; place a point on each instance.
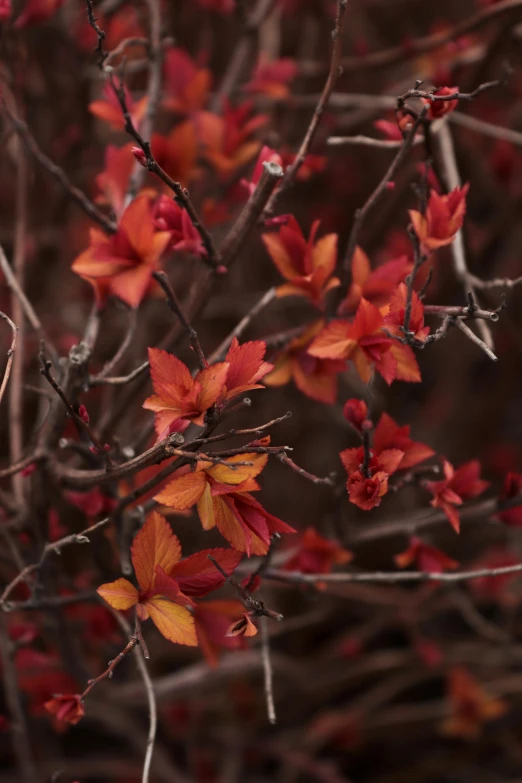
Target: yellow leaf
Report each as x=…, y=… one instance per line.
x=120, y=594
x=230, y=475
x=173, y=621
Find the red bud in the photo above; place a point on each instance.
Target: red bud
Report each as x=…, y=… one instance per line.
x=82, y=413
x=140, y=156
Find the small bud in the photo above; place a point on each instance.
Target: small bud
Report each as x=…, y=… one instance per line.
x=82, y=413
x=28, y=470
x=140, y=156
x=221, y=270
x=390, y=186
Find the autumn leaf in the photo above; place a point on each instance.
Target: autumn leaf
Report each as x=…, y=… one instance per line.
x=315, y=377
x=123, y=264
x=394, y=319
x=456, y=487
x=120, y=594
x=228, y=505
x=179, y=398
x=307, y=265
x=155, y=552
x=197, y=575
x=155, y=545
x=426, y=557
x=444, y=217
x=246, y=366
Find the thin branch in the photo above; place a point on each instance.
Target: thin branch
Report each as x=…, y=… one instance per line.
x=449, y=167
x=174, y=305
x=81, y=423
x=50, y=548
x=17, y=722
x=267, y=670
x=333, y=74
x=362, y=213
x=252, y=211
x=57, y=173
x=328, y=481
x=464, y=328
x=150, y=163
x=127, y=340
x=120, y=380
x=15, y=398
x=220, y=352
x=485, y=128
x=401, y=53
x=26, y=305
x=237, y=63
x=153, y=93
x=151, y=699
x=390, y=577
x=10, y=354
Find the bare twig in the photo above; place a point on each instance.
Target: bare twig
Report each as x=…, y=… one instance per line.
x=333, y=73
x=10, y=354
x=17, y=723
x=220, y=352
x=50, y=548
x=449, y=167
x=175, y=306
x=181, y=193
x=57, y=173
x=81, y=423
x=361, y=214
x=248, y=218
x=267, y=670
x=153, y=93
x=390, y=577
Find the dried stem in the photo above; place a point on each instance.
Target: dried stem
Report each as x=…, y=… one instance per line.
x=333, y=73
x=57, y=173
x=175, y=306
x=54, y=547
x=10, y=354
x=17, y=723
x=267, y=670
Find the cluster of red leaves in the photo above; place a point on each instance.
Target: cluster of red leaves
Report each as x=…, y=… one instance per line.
x=221, y=493
x=167, y=585
x=123, y=263
x=393, y=449
x=443, y=219
x=456, y=487
x=179, y=398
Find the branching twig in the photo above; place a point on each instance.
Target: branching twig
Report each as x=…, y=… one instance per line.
x=54, y=547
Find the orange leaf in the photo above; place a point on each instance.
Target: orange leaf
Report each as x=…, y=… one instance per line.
x=154, y=545
x=170, y=377
x=182, y=492
x=212, y=380
x=231, y=475
x=120, y=594
x=173, y=621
